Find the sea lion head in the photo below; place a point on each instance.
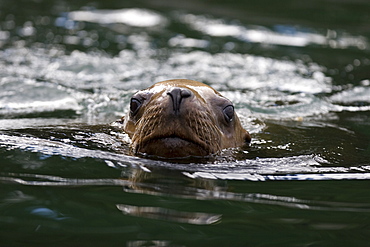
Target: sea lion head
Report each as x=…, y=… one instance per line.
x=181, y=118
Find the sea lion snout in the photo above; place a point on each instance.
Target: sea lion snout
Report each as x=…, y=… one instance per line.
x=177, y=95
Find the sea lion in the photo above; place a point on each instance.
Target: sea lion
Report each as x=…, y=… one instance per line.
x=181, y=118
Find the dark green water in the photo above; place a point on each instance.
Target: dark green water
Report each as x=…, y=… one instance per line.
x=298, y=73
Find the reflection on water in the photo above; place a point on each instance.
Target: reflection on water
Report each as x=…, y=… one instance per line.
x=254, y=177
x=131, y=17
x=171, y=215
x=150, y=184
x=282, y=35
x=47, y=213
x=153, y=243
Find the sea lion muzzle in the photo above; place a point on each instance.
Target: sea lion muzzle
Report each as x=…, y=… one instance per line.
x=182, y=118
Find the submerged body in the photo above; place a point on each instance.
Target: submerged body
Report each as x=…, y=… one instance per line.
x=181, y=118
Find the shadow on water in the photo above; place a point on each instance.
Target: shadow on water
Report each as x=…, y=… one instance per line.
x=296, y=72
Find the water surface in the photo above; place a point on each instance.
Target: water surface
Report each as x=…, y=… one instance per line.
x=298, y=75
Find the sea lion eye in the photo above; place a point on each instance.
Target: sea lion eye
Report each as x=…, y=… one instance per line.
x=134, y=105
x=229, y=113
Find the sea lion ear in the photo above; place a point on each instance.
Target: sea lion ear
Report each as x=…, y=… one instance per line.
x=247, y=138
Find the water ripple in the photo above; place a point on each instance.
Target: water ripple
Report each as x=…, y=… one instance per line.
x=281, y=35
x=265, y=87
x=188, y=193
x=302, y=167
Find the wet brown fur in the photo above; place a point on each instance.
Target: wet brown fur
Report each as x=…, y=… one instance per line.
x=198, y=130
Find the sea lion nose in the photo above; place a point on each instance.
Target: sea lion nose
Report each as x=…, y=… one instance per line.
x=177, y=94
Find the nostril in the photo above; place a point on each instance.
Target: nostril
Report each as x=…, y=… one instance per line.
x=174, y=92
x=185, y=93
